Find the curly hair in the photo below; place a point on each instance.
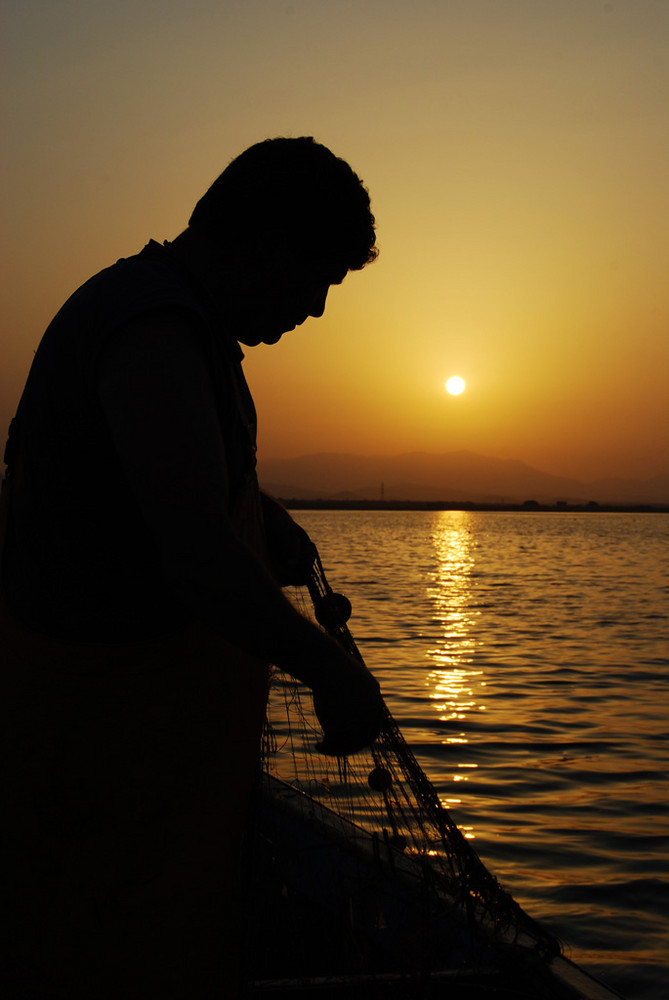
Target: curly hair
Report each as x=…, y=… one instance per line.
x=297, y=186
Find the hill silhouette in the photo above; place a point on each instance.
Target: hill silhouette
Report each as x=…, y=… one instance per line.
x=462, y=475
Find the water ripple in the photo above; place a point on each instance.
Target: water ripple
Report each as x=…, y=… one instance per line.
x=525, y=657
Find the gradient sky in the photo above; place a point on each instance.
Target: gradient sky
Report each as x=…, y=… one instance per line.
x=517, y=155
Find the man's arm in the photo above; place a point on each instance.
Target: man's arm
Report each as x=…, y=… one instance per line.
x=159, y=403
x=291, y=551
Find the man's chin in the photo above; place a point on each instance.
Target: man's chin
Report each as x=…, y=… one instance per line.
x=275, y=337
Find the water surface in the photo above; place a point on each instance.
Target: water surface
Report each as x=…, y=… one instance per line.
x=525, y=656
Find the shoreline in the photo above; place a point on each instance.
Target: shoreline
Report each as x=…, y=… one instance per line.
x=531, y=506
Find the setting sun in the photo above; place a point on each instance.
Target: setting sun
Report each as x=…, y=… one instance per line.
x=455, y=385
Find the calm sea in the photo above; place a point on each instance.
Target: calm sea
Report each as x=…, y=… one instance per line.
x=526, y=656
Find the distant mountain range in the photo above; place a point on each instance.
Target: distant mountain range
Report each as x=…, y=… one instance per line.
x=455, y=476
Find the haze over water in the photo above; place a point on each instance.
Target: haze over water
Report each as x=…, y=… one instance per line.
x=525, y=657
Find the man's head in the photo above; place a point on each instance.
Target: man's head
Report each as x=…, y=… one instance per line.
x=297, y=187
x=297, y=219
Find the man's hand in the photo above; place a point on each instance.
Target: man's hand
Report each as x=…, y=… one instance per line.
x=291, y=551
x=347, y=700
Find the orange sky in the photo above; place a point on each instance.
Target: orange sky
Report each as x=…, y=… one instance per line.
x=517, y=156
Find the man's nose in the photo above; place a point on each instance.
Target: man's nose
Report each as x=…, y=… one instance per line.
x=317, y=307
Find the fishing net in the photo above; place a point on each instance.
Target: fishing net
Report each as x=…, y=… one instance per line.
x=362, y=883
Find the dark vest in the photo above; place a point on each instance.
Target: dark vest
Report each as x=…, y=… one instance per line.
x=80, y=562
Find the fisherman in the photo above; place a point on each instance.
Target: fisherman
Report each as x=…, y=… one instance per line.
x=142, y=603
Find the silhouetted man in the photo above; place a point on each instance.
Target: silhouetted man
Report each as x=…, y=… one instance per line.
x=141, y=591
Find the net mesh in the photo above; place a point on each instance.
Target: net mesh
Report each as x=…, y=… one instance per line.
x=363, y=847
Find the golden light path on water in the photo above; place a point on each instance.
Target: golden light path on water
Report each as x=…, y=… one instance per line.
x=534, y=646
x=455, y=687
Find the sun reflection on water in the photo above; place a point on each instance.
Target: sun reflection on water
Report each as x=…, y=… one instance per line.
x=455, y=685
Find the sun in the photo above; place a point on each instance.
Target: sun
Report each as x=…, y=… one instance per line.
x=455, y=385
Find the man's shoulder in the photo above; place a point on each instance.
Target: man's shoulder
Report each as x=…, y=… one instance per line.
x=143, y=282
